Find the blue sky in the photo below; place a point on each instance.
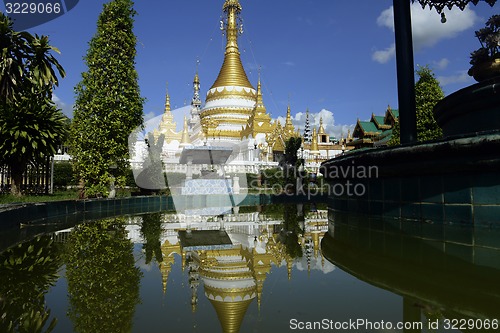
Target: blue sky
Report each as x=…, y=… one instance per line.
x=334, y=57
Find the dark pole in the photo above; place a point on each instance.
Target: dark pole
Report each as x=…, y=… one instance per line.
x=405, y=71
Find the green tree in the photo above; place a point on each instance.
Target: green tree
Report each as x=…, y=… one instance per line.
x=108, y=105
x=291, y=162
x=27, y=271
x=31, y=126
x=427, y=93
x=151, y=231
x=103, y=282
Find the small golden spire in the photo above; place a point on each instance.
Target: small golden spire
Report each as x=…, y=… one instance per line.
x=321, y=128
x=314, y=144
x=316, y=240
x=289, y=265
x=185, y=141
x=288, y=122
x=167, y=100
x=259, y=105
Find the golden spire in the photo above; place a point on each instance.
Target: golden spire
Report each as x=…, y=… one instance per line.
x=185, y=141
x=167, y=124
x=167, y=101
x=314, y=144
x=321, y=128
x=288, y=122
x=259, y=106
x=232, y=72
x=316, y=242
x=259, y=121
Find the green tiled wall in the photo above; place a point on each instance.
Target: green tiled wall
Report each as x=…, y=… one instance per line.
x=464, y=199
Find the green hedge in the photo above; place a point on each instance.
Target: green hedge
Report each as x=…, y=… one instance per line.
x=63, y=174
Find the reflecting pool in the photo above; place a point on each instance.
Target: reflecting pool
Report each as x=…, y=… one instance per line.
x=276, y=268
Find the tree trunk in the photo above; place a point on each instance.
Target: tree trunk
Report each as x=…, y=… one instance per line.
x=17, y=181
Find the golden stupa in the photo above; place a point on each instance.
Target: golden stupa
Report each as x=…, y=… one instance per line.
x=231, y=99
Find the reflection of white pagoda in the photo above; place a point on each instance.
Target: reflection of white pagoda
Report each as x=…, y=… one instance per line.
x=234, y=113
x=231, y=256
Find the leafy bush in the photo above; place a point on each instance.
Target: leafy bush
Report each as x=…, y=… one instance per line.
x=63, y=174
x=273, y=177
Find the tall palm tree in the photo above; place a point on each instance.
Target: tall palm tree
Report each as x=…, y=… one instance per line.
x=31, y=126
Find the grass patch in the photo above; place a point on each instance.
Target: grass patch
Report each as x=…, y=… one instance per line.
x=57, y=196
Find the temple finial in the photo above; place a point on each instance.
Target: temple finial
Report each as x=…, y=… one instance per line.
x=167, y=99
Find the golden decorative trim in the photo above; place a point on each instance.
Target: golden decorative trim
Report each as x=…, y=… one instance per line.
x=224, y=111
x=226, y=276
x=214, y=93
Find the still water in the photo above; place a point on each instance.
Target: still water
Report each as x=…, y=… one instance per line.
x=279, y=268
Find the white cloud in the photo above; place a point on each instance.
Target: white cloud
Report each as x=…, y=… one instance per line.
x=458, y=78
x=384, y=55
x=66, y=109
x=441, y=64
x=289, y=63
x=149, y=116
x=427, y=27
x=329, y=125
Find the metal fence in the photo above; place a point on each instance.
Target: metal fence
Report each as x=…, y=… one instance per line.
x=36, y=179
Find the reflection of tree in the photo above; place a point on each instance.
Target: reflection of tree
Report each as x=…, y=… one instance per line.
x=289, y=235
x=151, y=232
x=103, y=283
x=26, y=273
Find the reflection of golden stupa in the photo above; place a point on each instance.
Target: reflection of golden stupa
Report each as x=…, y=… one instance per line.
x=168, y=250
x=233, y=266
x=260, y=265
x=229, y=285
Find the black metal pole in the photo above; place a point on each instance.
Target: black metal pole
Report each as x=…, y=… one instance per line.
x=405, y=71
